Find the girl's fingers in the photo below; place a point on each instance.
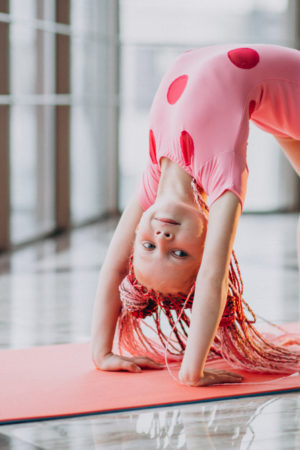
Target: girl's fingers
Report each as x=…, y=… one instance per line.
x=219, y=378
x=127, y=365
x=132, y=368
x=229, y=374
x=113, y=362
x=136, y=363
x=234, y=375
x=137, y=359
x=146, y=362
x=116, y=363
x=230, y=379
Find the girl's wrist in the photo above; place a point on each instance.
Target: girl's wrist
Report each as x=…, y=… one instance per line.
x=186, y=374
x=98, y=351
x=191, y=366
x=97, y=358
x=189, y=378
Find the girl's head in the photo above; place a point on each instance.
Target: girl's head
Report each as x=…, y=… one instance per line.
x=169, y=244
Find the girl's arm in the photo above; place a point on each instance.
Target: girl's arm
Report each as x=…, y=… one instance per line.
x=115, y=267
x=211, y=284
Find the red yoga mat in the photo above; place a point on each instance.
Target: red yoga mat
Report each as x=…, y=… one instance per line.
x=59, y=381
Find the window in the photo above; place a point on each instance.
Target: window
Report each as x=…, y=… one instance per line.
x=58, y=115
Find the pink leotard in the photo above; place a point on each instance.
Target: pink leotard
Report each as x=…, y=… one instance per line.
x=200, y=113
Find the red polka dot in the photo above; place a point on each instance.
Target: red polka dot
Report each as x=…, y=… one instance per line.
x=187, y=147
x=252, y=106
x=244, y=58
x=176, y=89
x=152, y=147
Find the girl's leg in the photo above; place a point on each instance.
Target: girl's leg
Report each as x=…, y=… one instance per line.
x=298, y=243
x=291, y=148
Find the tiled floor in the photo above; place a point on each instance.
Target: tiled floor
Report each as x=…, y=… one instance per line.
x=46, y=297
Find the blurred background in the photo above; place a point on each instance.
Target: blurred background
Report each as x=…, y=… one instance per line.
x=76, y=85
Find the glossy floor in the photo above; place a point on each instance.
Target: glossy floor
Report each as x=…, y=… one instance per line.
x=47, y=293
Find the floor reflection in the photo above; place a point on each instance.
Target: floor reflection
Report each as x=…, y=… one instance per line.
x=256, y=423
x=207, y=425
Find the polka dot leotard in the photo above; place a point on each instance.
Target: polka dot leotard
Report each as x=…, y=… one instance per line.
x=200, y=114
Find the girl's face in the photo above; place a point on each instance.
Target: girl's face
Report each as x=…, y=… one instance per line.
x=169, y=245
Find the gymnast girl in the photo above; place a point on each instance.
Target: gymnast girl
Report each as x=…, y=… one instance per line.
x=172, y=252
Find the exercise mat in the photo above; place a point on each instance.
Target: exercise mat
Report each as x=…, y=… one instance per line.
x=61, y=381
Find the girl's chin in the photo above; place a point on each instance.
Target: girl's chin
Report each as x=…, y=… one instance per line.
x=170, y=206
x=177, y=213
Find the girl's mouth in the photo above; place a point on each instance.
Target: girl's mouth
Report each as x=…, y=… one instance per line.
x=165, y=220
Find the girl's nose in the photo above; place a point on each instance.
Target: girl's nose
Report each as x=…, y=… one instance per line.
x=164, y=234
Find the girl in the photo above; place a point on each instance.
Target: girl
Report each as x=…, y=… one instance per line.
x=170, y=251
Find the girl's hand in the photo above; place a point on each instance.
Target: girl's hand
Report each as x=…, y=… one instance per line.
x=112, y=362
x=211, y=376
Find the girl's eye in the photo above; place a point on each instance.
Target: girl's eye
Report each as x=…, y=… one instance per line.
x=148, y=245
x=180, y=253
x=177, y=253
